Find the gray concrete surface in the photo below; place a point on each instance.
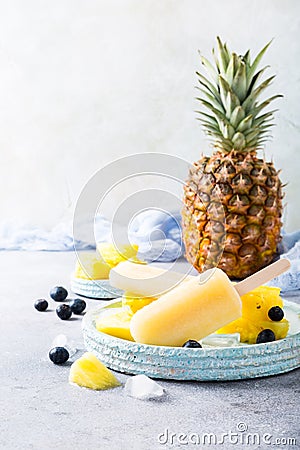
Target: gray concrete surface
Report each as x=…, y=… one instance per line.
x=41, y=411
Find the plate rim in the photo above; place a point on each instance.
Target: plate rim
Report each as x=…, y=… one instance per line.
x=245, y=361
x=109, y=337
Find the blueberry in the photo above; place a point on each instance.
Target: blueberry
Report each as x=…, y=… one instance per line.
x=192, y=344
x=275, y=313
x=77, y=306
x=265, y=336
x=41, y=304
x=59, y=355
x=59, y=293
x=64, y=312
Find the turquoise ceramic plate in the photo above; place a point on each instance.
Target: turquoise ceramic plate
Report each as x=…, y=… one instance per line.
x=98, y=289
x=207, y=364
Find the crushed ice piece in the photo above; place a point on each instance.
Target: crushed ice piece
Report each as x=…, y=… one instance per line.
x=221, y=340
x=61, y=340
x=143, y=388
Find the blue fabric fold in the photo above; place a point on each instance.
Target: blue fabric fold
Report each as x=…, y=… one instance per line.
x=158, y=235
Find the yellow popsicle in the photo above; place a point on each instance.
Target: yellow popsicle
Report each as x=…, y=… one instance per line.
x=144, y=280
x=192, y=310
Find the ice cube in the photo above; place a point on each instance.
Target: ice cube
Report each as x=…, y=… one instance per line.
x=143, y=388
x=61, y=340
x=221, y=340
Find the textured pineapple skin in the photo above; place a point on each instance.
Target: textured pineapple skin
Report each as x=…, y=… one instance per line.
x=232, y=210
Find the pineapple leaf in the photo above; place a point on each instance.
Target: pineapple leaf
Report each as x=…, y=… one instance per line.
x=230, y=69
x=212, y=100
x=250, y=130
x=262, y=105
x=245, y=124
x=252, y=134
x=257, y=60
x=252, y=83
x=208, y=85
x=226, y=129
x=216, y=60
x=231, y=103
x=207, y=121
x=214, y=110
x=229, y=131
x=238, y=141
x=264, y=118
x=224, y=144
x=223, y=60
x=227, y=52
x=230, y=95
x=224, y=90
x=256, y=143
x=246, y=58
x=210, y=131
x=211, y=119
x=267, y=126
x=249, y=102
x=218, y=114
x=239, y=83
x=237, y=115
x=210, y=69
x=210, y=127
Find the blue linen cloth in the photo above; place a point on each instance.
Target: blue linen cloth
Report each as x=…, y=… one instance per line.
x=157, y=233
x=290, y=249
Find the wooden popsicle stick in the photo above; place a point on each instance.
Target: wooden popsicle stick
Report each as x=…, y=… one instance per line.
x=262, y=276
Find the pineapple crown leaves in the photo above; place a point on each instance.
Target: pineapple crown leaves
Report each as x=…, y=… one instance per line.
x=230, y=97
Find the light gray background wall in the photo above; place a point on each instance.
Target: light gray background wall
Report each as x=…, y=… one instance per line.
x=85, y=82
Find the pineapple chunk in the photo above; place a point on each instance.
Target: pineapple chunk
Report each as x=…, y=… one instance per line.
x=280, y=329
x=135, y=303
x=255, y=307
x=116, y=324
x=256, y=304
x=113, y=255
x=91, y=267
x=91, y=373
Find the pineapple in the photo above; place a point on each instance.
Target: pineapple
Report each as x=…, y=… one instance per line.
x=90, y=267
x=113, y=254
x=134, y=303
x=91, y=373
x=232, y=209
x=255, y=315
x=116, y=324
